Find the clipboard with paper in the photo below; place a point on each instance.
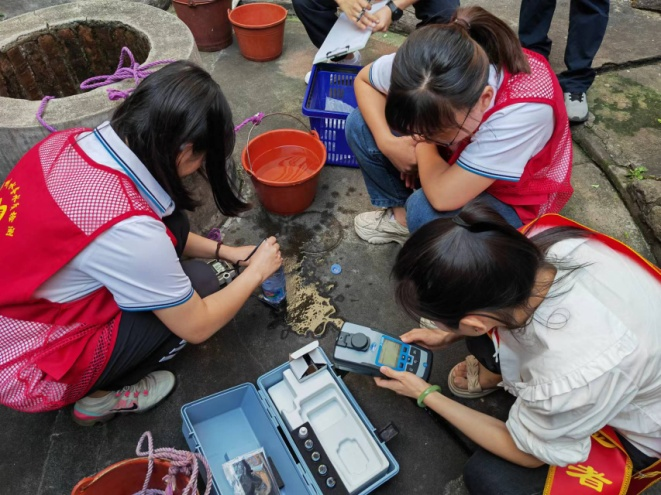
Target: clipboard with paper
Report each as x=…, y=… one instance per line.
x=345, y=37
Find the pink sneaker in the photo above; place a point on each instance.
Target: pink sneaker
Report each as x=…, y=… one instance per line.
x=138, y=398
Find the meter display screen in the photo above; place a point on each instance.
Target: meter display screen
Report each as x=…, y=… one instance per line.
x=389, y=353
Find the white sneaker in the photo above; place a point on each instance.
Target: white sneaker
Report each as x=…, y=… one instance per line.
x=380, y=227
x=356, y=60
x=137, y=398
x=577, y=106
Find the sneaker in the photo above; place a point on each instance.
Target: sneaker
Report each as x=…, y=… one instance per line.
x=577, y=107
x=137, y=398
x=380, y=227
x=356, y=60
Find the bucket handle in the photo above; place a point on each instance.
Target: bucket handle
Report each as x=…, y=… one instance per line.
x=314, y=133
x=195, y=3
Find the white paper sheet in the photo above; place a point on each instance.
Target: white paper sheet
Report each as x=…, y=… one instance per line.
x=345, y=37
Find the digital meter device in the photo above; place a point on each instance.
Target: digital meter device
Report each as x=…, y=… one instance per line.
x=364, y=350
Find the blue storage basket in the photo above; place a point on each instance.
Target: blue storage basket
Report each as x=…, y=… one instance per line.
x=333, y=81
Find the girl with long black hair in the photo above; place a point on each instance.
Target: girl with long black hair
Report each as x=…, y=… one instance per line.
x=95, y=293
x=567, y=320
x=460, y=111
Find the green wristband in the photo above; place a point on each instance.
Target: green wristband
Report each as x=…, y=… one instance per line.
x=423, y=395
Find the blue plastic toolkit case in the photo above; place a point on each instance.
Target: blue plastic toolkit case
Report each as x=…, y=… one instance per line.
x=233, y=422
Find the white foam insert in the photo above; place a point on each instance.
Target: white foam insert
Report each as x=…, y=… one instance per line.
x=343, y=436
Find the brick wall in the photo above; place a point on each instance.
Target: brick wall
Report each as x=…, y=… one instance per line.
x=56, y=61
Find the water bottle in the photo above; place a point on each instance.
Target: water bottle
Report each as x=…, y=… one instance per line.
x=274, y=288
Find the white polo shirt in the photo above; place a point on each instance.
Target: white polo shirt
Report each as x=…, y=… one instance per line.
x=134, y=259
x=590, y=357
x=505, y=142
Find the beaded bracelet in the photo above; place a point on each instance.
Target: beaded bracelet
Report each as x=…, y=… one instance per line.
x=423, y=395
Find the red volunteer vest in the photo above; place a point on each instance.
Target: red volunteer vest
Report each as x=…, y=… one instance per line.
x=545, y=185
x=51, y=354
x=608, y=469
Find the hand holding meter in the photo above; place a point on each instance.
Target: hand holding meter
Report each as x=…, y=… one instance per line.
x=364, y=350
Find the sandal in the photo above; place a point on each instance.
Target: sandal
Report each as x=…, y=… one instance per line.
x=474, y=390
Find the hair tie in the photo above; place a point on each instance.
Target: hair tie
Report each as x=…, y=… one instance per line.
x=461, y=222
x=463, y=23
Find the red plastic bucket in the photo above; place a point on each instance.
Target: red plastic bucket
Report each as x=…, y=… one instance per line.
x=284, y=167
x=207, y=20
x=259, y=29
x=127, y=478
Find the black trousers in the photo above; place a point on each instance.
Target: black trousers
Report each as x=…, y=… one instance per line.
x=144, y=343
x=318, y=16
x=587, y=26
x=488, y=474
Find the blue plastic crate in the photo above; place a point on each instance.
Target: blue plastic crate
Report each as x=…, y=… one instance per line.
x=331, y=81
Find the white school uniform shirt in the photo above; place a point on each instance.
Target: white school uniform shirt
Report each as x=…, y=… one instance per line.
x=591, y=357
x=135, y=258
x=505, y=142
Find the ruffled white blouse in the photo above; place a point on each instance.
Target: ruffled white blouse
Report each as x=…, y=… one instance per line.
x=590, y=357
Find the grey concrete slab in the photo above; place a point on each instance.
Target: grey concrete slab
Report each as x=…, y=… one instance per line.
x=598, y=205
x=624, y=138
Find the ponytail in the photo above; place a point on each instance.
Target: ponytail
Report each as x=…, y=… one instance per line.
x=442, y=69
x=495, y=37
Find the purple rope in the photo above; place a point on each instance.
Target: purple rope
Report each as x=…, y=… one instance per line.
x=181, y=461
x=255, y=119
x=134, y=71
x=215, y=235
x=40, y=114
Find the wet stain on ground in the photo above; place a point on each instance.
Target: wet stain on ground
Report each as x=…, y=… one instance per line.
x=310, y=232
x=330, y=205
x=335, y=194
x=346, y=211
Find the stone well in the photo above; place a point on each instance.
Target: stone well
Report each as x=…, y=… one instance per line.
x=51, y=51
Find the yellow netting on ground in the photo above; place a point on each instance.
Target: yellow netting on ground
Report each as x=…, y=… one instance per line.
x=307, y=310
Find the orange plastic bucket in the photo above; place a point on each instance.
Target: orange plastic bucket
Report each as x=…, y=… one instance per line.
x=207, y=20
x=127, y=478
x=259, y=29
x=284, y=167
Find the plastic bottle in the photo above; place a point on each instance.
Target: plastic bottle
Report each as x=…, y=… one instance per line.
x=274, y=288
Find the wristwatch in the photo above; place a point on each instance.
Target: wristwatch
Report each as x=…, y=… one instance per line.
x=397, y=13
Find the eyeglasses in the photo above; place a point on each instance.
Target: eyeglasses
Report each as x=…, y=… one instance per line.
x=444, y=144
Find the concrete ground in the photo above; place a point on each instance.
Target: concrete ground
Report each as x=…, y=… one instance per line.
x=46, y=454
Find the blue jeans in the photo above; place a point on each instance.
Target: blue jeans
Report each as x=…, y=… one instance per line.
x=587, y=26
x=386, y=188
